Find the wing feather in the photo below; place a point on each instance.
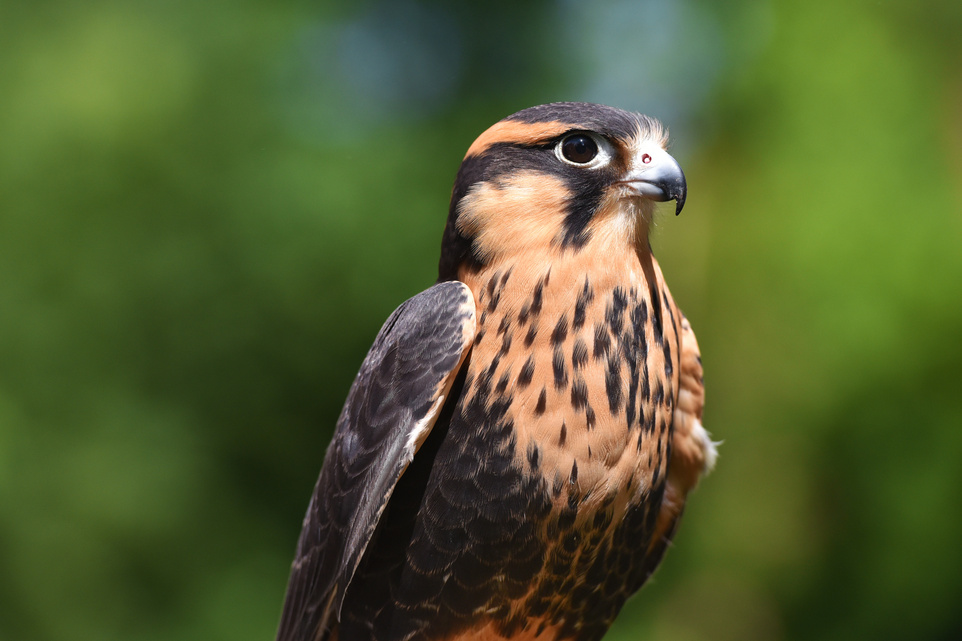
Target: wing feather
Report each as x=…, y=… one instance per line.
x=392, y=406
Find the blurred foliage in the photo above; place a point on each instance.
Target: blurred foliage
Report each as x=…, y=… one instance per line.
x=207, y=210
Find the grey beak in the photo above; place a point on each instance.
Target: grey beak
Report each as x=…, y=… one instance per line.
x=663, y=182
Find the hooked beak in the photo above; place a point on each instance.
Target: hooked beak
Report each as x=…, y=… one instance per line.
x=657, y=176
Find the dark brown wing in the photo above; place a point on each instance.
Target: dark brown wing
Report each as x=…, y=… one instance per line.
x=390, y=410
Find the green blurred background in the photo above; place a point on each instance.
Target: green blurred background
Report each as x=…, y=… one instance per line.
x=208, y=209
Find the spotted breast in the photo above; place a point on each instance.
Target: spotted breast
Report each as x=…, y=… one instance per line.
x=533, y=481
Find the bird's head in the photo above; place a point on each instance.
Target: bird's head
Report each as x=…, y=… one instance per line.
x=559, y=177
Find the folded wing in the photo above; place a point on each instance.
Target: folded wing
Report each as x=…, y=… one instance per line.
x=392, y=406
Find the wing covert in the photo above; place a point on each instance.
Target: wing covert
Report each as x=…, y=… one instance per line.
x=392, y=406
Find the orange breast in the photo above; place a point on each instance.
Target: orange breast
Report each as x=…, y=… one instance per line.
x=588, y=356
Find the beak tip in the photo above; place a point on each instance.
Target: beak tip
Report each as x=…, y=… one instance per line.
x=680, y=191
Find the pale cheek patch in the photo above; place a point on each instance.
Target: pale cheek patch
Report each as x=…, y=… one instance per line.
x=522, y=212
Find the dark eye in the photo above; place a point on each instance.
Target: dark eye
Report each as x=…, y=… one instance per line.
x=579, y=149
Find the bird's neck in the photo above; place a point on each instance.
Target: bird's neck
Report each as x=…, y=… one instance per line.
x=611, y=258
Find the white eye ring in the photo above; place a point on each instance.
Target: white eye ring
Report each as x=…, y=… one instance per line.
x=602, y=157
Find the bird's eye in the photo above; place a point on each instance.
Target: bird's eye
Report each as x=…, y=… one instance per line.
x=579, y=149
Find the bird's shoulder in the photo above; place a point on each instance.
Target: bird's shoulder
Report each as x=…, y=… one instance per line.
x=393, y=403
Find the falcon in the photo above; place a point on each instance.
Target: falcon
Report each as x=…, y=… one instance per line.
x=516, y=450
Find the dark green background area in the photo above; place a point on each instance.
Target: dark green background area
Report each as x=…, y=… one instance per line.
x=208, y=209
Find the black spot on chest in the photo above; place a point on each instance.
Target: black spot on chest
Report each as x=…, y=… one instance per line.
x=581, y=306
x=579, y=393
x=560, y=369
x=526, y=373
x=560, y=332
x=615, y=312
x=602, y=342
x=539, y=409
x=579, y=354
x=490, y=295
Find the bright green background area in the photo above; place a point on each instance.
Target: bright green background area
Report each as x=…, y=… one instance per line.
x=208, y=209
